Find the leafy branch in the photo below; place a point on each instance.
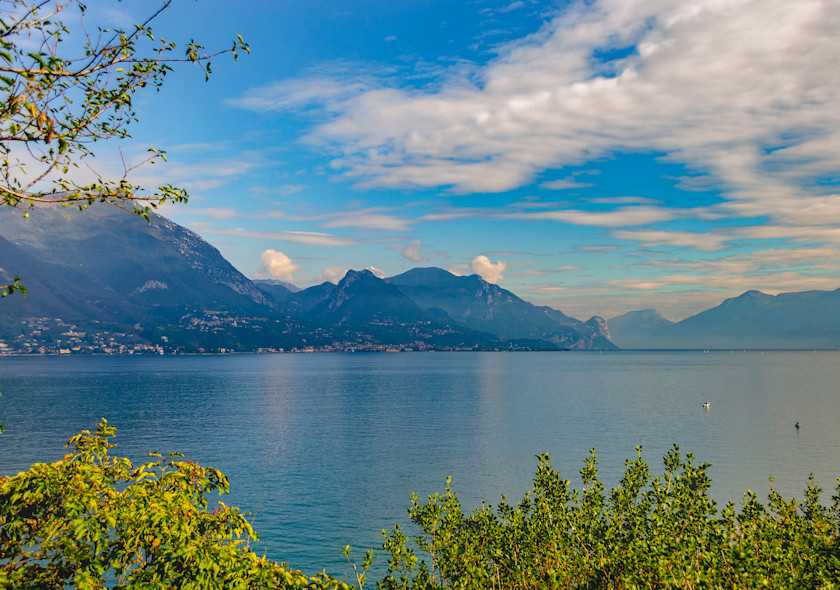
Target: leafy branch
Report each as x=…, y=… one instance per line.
x=72, y=91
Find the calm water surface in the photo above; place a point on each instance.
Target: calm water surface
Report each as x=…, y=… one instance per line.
x=326, y=449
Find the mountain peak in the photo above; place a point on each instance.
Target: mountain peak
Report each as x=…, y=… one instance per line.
x=354, y=275
x=478, y=305
x=429, y=275
x=752, y=293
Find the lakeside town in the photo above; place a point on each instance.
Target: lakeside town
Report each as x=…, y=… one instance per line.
x=55, y=336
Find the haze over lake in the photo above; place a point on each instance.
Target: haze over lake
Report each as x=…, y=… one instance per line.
x=327, y=448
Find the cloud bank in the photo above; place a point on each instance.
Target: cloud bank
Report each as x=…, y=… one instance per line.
x=745, y=91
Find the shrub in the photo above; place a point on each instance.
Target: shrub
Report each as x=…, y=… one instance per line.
x=662, y=532
x=91, y=520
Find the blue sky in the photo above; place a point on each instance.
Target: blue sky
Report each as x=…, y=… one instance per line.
x=597, y=157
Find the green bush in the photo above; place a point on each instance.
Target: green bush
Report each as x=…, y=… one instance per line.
x=662, y=532
x=92, y=520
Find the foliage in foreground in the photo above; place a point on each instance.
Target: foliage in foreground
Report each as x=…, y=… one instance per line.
x=93, y=520
x=662, y=532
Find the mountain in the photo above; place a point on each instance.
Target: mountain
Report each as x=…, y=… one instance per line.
x=362, y=298
x=432, y=305
x=298, y=304
x=637, y=329
x=755, y=320
x=277, y=290
x=363, y=305
x=475, y=304
x=103, y=280
x=107, y=265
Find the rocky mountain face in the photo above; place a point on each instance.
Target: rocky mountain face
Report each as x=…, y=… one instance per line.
x=478, y=305
x=106, y=264
x=755, y=320
x=443, y=301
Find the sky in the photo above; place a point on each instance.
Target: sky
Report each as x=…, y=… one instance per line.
x=597, y=157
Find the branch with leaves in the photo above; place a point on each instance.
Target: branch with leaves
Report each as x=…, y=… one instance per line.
x=63, y=90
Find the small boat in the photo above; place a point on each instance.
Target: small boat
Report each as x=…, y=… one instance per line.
x=706, y=405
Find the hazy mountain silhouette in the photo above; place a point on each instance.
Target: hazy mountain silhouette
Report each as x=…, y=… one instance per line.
x=755, y=320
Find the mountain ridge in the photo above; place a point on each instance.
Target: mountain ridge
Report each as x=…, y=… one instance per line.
x=476, y=304
x=116, y=266
x=163, y=282
x=753, y=319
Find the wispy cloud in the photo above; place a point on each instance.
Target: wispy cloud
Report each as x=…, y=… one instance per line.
x=622, y=217
x=298, y=237
x=412, y=251
x=743, y=92
x=371, y=218
x=706, y=242
x=544, y=271
x=565, y=184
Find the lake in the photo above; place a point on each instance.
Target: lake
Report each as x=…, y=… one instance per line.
x=325, y=449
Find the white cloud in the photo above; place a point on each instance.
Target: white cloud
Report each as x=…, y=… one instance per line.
x=279, y=266
x=565, y=184
x=412, y=251
x=376, y=272
x=332, y=274
x=489, y=271
x=715, y=84
x=371, y=218
x=297, y=237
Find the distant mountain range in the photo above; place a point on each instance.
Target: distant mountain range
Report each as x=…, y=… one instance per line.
x=106, y=271
x=435, y=299
x=753, y=320
x=104, y=267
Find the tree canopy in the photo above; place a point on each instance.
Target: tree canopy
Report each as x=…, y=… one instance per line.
x=647, y=532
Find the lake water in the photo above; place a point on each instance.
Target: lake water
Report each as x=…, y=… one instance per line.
x=326, y=449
